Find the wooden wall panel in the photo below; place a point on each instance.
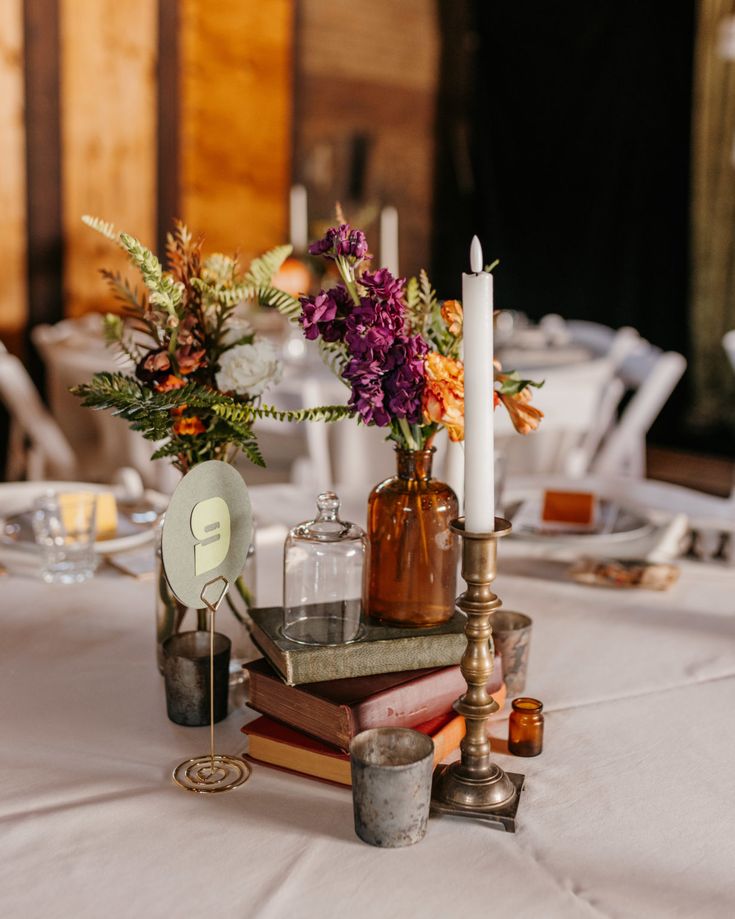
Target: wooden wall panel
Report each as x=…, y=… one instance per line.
x=235, y=121
x=13, y=289
x=108, y=110
x=370, y=75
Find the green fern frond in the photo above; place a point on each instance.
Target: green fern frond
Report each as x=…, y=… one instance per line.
x=246, y=413
x=170, y=449
x=427, y=294
x=412, y=294
x=225, y=295
x=101, y=226
x=286, y=305
x=164, y=290
x=123, y=292
x=334, y=356
x=263, y=268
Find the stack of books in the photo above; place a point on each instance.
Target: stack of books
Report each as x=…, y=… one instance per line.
x=314, y=700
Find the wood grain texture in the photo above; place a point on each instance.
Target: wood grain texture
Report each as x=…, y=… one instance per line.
x=371, y=75
x=167, y=167
x=108, y=103
x=13, y=290
x=235, y=121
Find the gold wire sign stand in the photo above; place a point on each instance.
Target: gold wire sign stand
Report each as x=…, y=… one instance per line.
x=476, y=786
x=215, y=772
x=207, y=531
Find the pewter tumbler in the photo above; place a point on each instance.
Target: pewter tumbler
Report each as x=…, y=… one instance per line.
x=391, y=785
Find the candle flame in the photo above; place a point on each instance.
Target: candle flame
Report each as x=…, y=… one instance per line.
x=476, y=256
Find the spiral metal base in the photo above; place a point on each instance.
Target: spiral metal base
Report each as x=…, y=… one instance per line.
x=214, y=772
x=475, y=786
x=211, y=774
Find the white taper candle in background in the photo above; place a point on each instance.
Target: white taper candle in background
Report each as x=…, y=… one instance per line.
x=389, y=240
x=298, y=219
x=479, y=378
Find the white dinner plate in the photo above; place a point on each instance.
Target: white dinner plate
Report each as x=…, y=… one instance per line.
x=137, y=518
x=613, y=523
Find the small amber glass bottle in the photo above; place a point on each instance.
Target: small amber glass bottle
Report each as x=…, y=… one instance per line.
x=526, y=727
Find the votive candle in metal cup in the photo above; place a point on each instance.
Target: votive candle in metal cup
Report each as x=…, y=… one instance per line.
x=512, y=639
x=391, y=785
x=186, y=674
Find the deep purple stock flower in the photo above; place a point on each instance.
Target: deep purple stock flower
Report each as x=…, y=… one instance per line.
x=342, y=241
x=381, y=285
x=385, y=366
x=324, y=315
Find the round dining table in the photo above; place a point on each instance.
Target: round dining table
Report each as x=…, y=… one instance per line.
x=628, y=812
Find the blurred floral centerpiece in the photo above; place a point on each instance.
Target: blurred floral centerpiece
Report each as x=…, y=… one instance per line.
x=197, y=371
x=397, y=347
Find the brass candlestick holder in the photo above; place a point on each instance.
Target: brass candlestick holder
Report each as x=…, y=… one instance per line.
x=475, y=786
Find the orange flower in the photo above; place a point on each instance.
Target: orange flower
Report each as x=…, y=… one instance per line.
x=178, y=410
x=524, y=416
x=188, y=426
x=169, y=383
x=453, y=315
x=444, y=393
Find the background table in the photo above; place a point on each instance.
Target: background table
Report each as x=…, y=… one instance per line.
x=628, y=812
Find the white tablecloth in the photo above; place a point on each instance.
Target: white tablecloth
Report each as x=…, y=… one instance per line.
x=630, y=810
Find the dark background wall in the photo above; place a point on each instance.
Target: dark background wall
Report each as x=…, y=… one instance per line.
x=563, y=141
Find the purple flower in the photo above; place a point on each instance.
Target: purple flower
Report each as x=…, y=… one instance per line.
x=403, y=383
x=382, y=286
x=342, y=241
x=324, y=314
x=315, y=310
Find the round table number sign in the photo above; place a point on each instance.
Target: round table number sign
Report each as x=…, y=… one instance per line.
x=207, y=532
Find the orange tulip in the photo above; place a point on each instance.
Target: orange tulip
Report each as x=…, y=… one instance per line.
x=453, y=315
x=524, y=416
x=444, y=394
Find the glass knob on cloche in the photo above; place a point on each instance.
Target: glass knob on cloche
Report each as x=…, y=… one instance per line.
x=323, y=562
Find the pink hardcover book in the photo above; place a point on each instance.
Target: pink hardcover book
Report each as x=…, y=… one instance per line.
x=336, y=710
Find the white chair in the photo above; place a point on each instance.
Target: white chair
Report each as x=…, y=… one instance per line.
x=653, y=375
x=579, y=403
x=601, y=340
x=73, y=350
x=38, y=448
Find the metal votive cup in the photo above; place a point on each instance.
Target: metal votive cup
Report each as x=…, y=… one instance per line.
x=512, y=639
x=186, y=674
x=391, y=785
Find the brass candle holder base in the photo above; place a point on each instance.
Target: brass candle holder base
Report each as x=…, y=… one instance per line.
x=475, y=786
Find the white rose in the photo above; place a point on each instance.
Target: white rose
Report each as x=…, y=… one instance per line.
x=249, y=369
x=236, y=329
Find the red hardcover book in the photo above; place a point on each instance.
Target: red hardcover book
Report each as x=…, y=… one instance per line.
x=274, y=744
x=336, y=710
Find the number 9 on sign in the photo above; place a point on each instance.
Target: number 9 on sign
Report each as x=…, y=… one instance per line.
x=207, y=530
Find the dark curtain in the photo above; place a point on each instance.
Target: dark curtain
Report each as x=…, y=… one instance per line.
x=563, y=142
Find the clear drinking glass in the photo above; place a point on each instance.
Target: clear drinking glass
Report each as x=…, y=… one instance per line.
x=64, y=526
x=323, y=563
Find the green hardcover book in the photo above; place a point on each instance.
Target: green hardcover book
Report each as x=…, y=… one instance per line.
x=381, y=649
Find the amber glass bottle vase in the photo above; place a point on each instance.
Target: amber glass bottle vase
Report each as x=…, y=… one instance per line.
x=411, y=574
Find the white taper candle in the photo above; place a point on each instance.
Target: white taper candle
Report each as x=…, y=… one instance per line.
x=298, y=219
x=479, y=446
x=389, y=240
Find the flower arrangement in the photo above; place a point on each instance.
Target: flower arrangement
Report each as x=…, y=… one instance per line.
x=199, y=371
x=397, y=347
